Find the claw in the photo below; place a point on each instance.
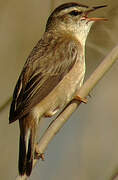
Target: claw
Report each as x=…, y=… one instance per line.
x=42, y=156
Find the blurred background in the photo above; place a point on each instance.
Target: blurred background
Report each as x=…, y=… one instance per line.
x=86, y=148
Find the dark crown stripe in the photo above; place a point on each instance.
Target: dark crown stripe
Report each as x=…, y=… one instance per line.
x=68, y=5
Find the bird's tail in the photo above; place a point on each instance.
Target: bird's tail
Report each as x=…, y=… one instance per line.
x=26, y=146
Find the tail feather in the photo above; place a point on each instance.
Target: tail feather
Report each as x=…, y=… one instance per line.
x=30, y=155
x=26, y=150
x=22, y=156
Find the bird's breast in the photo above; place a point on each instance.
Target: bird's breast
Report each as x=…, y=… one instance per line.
x=64, y=92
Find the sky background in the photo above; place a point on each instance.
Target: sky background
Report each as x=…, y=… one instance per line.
x=86, y=148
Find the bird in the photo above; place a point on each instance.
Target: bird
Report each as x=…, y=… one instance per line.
x=52, y=74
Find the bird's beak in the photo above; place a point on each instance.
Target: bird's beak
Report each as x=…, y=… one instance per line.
x=94, y=18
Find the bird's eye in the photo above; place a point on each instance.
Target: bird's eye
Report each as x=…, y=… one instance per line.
x=75, y=13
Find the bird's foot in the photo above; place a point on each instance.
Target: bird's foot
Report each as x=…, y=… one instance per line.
x=38, y=154
x=81, y=99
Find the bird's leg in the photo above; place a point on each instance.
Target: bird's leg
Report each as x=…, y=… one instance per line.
x=51, y=113
x=84, y=100
x=38, y=154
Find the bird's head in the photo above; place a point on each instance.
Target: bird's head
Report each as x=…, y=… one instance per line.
x=73, y=17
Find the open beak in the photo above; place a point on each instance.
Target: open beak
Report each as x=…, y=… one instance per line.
x=94, y=18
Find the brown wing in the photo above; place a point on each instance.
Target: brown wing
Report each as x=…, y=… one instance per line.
x=48, y=63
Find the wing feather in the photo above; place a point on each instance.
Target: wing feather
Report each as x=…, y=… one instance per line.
x=46, y=66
